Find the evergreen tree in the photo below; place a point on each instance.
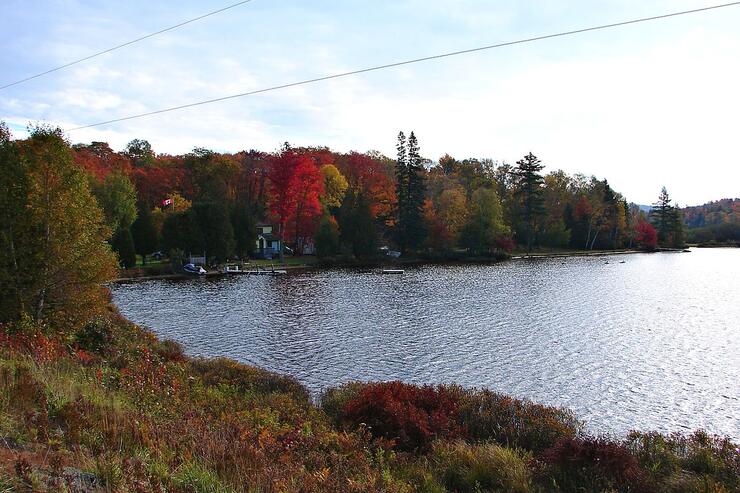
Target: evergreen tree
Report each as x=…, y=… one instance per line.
x=245, y=230
x=181, y=231
x=529, y=192
x=410, y=186
x=327, y=237
x=357, y=226
x=146, y=239
x=678, y=228
x=215, y=227
x=662, y=216
x=123, y=245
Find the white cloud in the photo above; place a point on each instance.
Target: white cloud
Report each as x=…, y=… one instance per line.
x=642, y=107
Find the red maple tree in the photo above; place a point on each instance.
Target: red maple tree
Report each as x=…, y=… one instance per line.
x=645, y=235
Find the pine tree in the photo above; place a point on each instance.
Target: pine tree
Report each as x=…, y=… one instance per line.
x=662, y=216
x=245, y=230
x=529, y=192
x=411, y=190
x=146, y=239
x=123, y=245
x=357, y=226
x=677, y=228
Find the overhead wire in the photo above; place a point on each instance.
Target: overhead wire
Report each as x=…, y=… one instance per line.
x=409, y=62
x=127, y=43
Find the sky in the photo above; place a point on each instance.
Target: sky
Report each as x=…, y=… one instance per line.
x=644, y=106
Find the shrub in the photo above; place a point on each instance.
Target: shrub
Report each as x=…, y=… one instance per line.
x=96, y=336
x=684, y=482
x=487, y=467
x=594, y=464
x=332, y=401
x=699, y=454
x=222, y=371
x=34, y=344
x=410, y=415
x=170, y=351
x=516, y=423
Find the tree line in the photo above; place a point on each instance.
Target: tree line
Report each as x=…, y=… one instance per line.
x=349, y=204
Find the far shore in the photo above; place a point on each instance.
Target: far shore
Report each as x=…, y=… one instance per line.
x=316, y=264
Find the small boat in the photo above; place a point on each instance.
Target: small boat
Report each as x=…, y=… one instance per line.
x=194, y=270
x=392, y=271
x=233, y=269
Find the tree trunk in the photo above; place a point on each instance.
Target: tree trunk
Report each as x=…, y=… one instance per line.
x=594, y=240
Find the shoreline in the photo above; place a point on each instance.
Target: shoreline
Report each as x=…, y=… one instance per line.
x=411, y=262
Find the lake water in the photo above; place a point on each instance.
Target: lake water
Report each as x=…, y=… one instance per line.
x=652, y=343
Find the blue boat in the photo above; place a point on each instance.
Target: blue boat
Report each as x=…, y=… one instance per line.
x=193, y=270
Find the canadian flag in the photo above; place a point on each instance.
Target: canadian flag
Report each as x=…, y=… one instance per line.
x=167, y=202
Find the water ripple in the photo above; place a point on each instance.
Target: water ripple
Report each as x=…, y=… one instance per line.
x=653, y=343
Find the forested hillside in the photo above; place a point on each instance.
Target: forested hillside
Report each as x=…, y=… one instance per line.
x=714, y=222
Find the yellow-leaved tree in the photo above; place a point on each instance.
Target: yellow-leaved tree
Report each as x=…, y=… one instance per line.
x=53, y=235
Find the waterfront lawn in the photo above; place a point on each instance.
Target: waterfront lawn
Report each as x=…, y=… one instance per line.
x=112, y=408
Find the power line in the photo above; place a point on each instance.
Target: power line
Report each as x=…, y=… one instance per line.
x=408, y=62
x=40, y=74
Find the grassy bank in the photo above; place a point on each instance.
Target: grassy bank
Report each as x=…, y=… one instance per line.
x=112, y=408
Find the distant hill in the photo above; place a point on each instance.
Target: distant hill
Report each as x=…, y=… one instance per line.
x=714, y=223
x=718, y=212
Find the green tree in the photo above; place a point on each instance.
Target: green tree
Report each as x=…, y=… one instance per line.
x=529, y=192
x=357, y=226
x=117, y=197
x=144, y=231
x=215, y=227
x=245, y=230
x=662, y=216
x=677, y=228
x=486, y=224
x=53, y=234
x=14, y=227
x=327, y=237
x=123, y=244
x=181, y=231
x=411, y=189
x=140, y=153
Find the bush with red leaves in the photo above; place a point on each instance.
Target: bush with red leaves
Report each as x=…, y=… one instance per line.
x=505, y=243
x=594, y=464
x=35, y=344
x=410, y=415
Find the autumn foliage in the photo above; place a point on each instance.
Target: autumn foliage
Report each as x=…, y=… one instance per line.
x=411, y=416
x=646, y=236
x=595, y=464
x=114, y=404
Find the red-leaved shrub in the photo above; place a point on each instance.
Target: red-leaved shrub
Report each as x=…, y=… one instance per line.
x=410, y=415
x=594, y=464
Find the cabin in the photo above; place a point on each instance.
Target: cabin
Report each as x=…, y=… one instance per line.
x=268, y=244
